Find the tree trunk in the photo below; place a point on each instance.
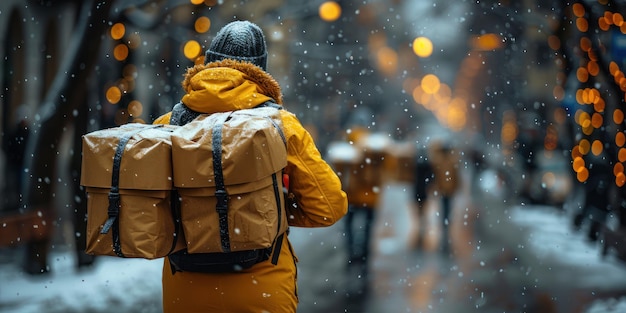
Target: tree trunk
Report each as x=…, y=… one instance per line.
x=64, y=97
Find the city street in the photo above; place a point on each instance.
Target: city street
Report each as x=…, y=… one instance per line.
x=504, y=258
x=527, y=96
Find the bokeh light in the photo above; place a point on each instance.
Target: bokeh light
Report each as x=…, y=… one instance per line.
x=422, y=47
x=202, y=24
x=597, y=147
x=120, y=52
x=113, y=94
x=620, y=139
x=135, y=108
x=330, y=11
x=192, y=49
x=430, y=83
x=117, y=31
x=578, y=164
x=486, y=42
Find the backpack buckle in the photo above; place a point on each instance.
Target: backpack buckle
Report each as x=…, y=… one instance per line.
x=114, y=204
x=222, y=200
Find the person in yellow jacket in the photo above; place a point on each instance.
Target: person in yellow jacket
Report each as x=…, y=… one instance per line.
x=362, y=180
x=234, y=77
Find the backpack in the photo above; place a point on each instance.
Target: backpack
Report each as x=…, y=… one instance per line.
x=208, y=194
x=131, y=204
x=228, y=174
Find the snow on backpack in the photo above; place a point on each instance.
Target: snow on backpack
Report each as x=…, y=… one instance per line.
x=131, y=204
x=228, y=172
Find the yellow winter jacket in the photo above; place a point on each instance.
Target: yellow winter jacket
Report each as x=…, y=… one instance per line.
x=232, y=85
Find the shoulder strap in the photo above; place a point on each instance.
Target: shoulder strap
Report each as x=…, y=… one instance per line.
x=270, y=104
x=182, y=114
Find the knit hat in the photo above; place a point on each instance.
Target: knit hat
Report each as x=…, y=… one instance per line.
x=239, y=40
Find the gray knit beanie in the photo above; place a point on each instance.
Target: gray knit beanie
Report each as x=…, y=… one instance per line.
x=239, y=40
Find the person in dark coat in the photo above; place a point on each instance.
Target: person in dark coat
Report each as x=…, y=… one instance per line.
x=446, y=184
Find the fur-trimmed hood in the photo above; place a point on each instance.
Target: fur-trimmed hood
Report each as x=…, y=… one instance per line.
x=228, y=85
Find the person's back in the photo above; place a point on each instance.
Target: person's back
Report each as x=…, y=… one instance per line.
x=365, y=180
x=234, y=78
x=445, y=168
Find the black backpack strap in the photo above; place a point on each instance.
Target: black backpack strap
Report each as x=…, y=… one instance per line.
x=220, y=189
x=182, y=114
x=175, y=208
x=114, y=194
x=279, y=206
x=277, y=246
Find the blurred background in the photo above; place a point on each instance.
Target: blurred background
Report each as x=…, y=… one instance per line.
x=532, y=90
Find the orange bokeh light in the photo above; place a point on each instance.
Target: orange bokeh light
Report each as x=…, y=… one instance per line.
x=120, y=52
x=620, y=179
x=202, y=24
x=621, y=155
x=618, y=168
x=113, y=94
x=578, y=164
x=117, y=31
x=618, y=116
x=192, y=49
x=330, y=11
x=430, y=84
x=597, y=147
x=620, y=139
x=578, y=9
x=582, y=175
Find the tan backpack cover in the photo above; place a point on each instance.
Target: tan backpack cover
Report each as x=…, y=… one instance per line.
x=146, y=225
x=253, y=155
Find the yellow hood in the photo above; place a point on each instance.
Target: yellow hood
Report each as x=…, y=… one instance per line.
x=228, y=85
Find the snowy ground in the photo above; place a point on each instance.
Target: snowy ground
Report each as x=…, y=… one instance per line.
x=110, y=285
x=111, y=282
x=552, y=238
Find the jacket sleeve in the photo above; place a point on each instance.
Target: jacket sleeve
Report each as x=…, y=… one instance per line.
x=163, y=119
x=317, y=189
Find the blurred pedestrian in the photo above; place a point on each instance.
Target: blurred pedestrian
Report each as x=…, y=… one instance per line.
x=423, y=178
x=363, y=185
x=597, y=203
x=445, y=165
x=235, y=77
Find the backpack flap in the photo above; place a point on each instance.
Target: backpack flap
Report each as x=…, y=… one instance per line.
x=252, y=149
x=131, y=215
x=252, y=156
x=149, y=145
